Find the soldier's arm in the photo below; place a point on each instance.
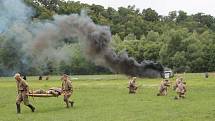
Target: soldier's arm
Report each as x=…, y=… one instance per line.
x=26, y=86
x=69, y=85
x=167, y=84
x=62, y=87
x=185, y=89
x=17, y=85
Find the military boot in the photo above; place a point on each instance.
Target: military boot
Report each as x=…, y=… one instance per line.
x=31, y=107
x=67, y=104
x=176, y=98
x=71, y=103
x=18, y=109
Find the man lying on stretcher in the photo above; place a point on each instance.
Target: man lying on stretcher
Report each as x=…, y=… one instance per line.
x=54, y=91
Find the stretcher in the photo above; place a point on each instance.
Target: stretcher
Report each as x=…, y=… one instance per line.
x=42, y=95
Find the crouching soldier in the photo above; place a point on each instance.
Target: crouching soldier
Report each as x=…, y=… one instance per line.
x=23, y=90
x=132, y=86
x=67, y=90
x=181, y=90
x=177, y=82
x=163, y=87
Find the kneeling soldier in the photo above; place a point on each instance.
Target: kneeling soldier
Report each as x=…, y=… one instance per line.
x=181, y=90
x=177, y=82
x=163, y=87
x=132, y=86
x=67, y=90
x=23, y=90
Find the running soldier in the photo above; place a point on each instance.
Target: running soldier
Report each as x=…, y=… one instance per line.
x=23, y=91
x=67, y=90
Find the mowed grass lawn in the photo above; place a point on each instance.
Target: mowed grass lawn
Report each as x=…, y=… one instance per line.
x=106, y=98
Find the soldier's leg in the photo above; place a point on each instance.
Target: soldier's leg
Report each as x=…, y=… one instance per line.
x=182, y=95
x=132, y=90
x=161, y=91
x=18, y=109
x=165, y=92
x=71, y=102
x=18, y=102
x=178, y=96
x=174, y=88
x=129, y=89
x=26, y=102
x=135, y=89
x=66, y=100
x=31, y=107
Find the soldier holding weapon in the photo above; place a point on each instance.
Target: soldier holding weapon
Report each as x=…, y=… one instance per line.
x=132, y=85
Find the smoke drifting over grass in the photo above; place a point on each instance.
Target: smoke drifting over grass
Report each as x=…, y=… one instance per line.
x=44, y=40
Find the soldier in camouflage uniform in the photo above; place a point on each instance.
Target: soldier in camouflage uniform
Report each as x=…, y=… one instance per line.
x=132, y=86
x=177, y=82
x=163, y=87
x=23, y=90
x=67, y=90
x=181, y=90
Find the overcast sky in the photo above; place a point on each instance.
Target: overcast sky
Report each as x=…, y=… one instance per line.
x=163, y=7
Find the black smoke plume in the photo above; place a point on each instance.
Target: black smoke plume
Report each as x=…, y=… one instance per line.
x=42, y=40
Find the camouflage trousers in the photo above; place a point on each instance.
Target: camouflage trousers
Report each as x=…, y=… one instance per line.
x=132, y=89
x=67, y=95
x=181, y=94
x=22, y=96
x=163, y=91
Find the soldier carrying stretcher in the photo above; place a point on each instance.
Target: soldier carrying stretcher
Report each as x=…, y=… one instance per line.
x=67, y=90
x=23, y=91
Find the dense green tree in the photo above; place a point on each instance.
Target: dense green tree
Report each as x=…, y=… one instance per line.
x=179, y=62
x=179, y=41
x=172, y=15
x=182, y=16
x=150, y=15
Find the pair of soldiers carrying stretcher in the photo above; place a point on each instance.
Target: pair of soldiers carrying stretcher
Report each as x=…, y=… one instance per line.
x=23, y=92
x=54, y=91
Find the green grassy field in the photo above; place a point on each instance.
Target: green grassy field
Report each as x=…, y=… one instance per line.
x=106, y=98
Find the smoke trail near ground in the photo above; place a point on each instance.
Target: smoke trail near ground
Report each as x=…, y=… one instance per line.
x=43, y=40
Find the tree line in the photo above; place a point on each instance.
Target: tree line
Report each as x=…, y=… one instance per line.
x=182, y=42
